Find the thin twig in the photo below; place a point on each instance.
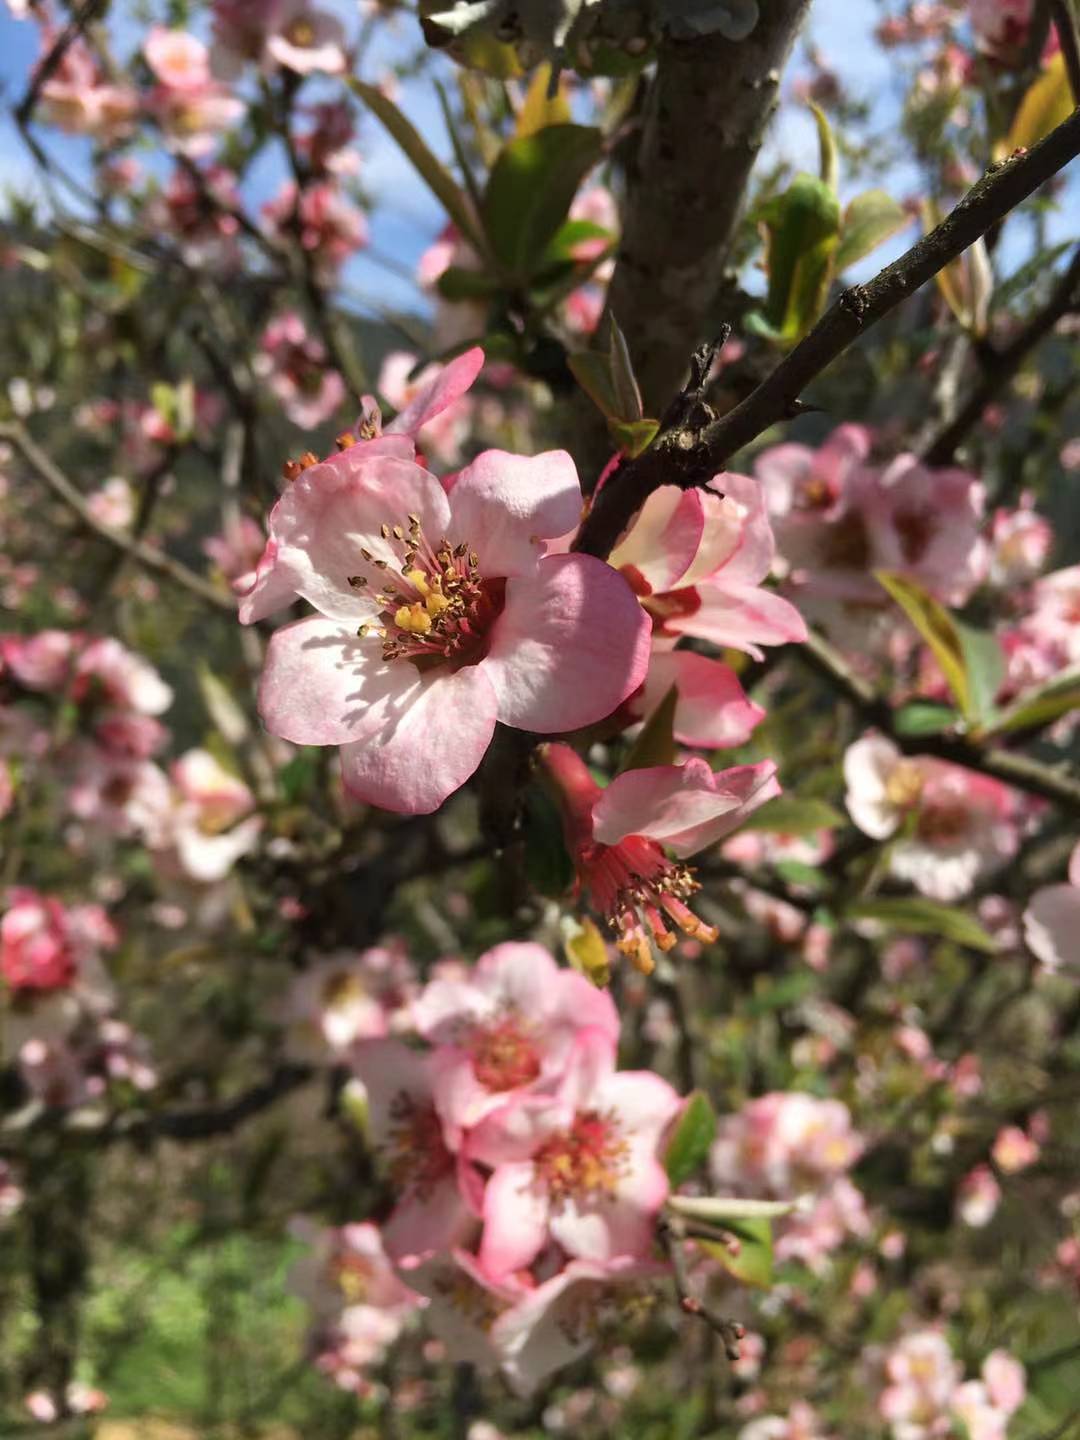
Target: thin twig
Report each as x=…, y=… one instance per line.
x=1065, y=24
x=686, y=456
x=671, y=1232
x=146, y=555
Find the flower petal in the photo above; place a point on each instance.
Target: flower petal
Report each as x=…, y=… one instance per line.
x=685, y=807
x=571, y=645
x=516, y=1213
x=740, y=616
x=449, y=385
x=663, y=540
x=711, y=707
x=504, y=506
x=316, y=680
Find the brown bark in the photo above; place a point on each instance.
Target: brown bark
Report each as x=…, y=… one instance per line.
x=704, y=119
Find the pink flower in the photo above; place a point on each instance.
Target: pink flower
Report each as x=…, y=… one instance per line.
x=785, y=1142
x=444, y=435
x=464, y=1303
x=178, y=59
x=697, y=559
x=77, y=98
x=1013, y=1150
x=923, y=1378
x=201, y=212
x=1006, y=1380
x=431, y=1213
x=711, y=708
x=953, y=825
x=187, y=101
x=326, y=223
x=211, y=826
x=978, y=1197
x=347, y=1270
x=305, y=40
x=50, y=961
x=109, y=672
x=43, y=661
x=298, y=371
x=1020, y=544
x=236, y=551
x=36, y=950
x=562, y=1318
x=344, y=999
x=800, y=1423
x=615, y=837
x=113, y=504
x=510, y=1026
x=1001, y=27
x=1052, y=921
x=580, y=1168
x=462, y=619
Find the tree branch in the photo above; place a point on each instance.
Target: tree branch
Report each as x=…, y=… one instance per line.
x=146, y=555
x=687, y=456
x=1065, y=24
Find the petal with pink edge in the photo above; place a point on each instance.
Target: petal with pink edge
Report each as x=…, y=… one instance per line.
x=432, y=1223
x=711, y=708
x=413, y=747
x=570, y=646
x=317, y=680
x=602, y=1229
x=685, y=807
x=449, y=385
x=519, y=976
x=743, y=617
x=516, y=1211
x=505, y=506
x=663, y=540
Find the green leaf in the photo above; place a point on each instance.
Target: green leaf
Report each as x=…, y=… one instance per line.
x=573, y=233
x=221, y=705
x=790, y=815
x=548, y=866
x=753, y=1263
x=802, y=227
x=925, y=717
x=635, y=437
x=689, y=1145
x=924, y=917
x=606, y=374
x=868, y=222
x=797, y=872
x=984, y=668
x=656, y=743
x=456, y=283
x=541, y=108
x=529, y=192
x=428, y=167
x=1041, y=705
x=828, y=164
x=934, y=624
x=298, y=775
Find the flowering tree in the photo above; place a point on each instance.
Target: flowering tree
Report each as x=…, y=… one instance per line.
x=538, y=746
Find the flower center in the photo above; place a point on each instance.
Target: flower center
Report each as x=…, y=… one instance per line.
x=504, y=1056
x=915, y=529
x=634, y=885
x=301, y=33
x=584, y=1162
x=417, y=1154
x=944, y=822
x=846, y=544
x=351, y=1275
x=904, y=785
x=438, y=609
x=341, y=990
x=670, y=605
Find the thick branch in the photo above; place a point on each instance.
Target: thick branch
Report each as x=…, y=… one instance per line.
x=999, y=366
x=146, y=555
x=705, y=115
x=686, y=456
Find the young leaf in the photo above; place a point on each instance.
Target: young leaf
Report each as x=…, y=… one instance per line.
x=1047, y=103
x=802, y=227
x=936, y=626
x=868, y=222
x=689, y=1145
x=925, y=717
x=828, y=164
x=548, y=866
x=530, y=190
x=924, y=917
x=634, y=436
x=752, y=1260
x=586, y=950
x=1041, y=705
x=540, y=107
x=984, y=668
x=656, y=743
x=431, y=170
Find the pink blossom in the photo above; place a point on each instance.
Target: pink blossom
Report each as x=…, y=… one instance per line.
x=298, y=371
x=50, y=961
x=1001, y=26
x=785, y=1142
x=188, y=102
x=1006, y=1381
x=201, y=212
x=211, y=825
x=580, y=1167
x=953, y=825
x=923, y=1378
x=463, y=620
x=346, y=998
x=509, y=1027
x=615, y=838
x=800, y=1423
x=236, y=550
x=697, y=559
x=113, y=503
x=325, y=222
x=431, y=1213
x=306, y=40
x=37, y=953
x=1020, y=543
x=978, y=1197
x=464, y=1303
x=1013, y=1150
x=711, y=708
x=325, y=146
x=107, y=671
x=41, y=662
x=77, y=98
x=178, y=59
x=562, y=1318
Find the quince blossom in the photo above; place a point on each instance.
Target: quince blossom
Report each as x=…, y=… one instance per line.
x=616, y=837
x=440, y=614
x=296, y=369
x=1052, y=921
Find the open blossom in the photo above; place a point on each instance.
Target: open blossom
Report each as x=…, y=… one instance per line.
x=1052, y=921
x=439, y=615
x=785, y=1142
x=923, y=1376
x=43, y=661
x=800, y=1423
x=298, y=371
x=1020, y=542
x=236, y=550
x=616, y=838
x=508, y=1026
x=581, y=1167
x=77, y=97
x=201, y=212
x=346, y=998
x=325, y=222
x=978, y=1197
x=1014, y=1150
x=1001, y=26
x=951, y=825
x=113, y=503
x=210, y=825
x=188, y=102
x=306, y=40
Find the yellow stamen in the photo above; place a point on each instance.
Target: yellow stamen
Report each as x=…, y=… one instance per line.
x=414, y=619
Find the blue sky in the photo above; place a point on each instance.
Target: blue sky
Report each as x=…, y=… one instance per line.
x=406, y=216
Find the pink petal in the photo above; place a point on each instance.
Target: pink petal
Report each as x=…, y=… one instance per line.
x=449, y=385
x=520, y=976
x=430, y=1223
x=447, y=1007
x=571, y=645
x=644, y=1103
x=603, y=1229
x=462, y=1102
x=663, y=540
x=591, y=1063
x=742, y=617
x=412, y=748
x=316, y=680
x=504, y=506
x=515, y=1220
x=743, y=508
x=711, y=707
x=685, y=807
x=514, y=1132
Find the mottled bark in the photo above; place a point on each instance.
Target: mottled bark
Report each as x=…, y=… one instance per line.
x=703, y=123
